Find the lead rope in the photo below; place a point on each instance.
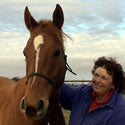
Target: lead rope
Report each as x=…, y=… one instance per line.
x=68, y=67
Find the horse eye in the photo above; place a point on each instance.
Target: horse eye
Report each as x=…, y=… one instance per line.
x=57, y=52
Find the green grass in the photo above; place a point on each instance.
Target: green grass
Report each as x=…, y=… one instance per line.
x=66, y=115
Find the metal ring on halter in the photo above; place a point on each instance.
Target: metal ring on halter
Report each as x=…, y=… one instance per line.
x=42, y=76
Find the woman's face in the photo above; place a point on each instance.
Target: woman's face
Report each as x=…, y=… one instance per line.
x=102, y=82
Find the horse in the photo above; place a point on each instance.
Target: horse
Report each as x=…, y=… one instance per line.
x=34, y=99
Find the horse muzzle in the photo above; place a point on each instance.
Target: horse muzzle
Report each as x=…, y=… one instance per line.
x=34, y=113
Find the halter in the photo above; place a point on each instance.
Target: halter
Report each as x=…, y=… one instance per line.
x=42, y=76
x=51, y=81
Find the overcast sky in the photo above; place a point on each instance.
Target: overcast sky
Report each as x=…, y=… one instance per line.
x=97, y=28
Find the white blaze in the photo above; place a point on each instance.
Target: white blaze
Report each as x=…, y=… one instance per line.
x=38, y=40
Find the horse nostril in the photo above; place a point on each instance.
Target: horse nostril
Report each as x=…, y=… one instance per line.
x=40, y=105
x=22, y=104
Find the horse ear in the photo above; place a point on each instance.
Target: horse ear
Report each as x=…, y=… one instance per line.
x=29, y=20
x=58, y=17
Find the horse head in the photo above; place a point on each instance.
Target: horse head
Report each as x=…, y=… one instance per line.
x=45, y=62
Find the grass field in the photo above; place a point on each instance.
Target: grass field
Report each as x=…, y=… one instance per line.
x=66, y=115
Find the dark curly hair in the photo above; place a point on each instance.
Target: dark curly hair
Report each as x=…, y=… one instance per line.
x=114, y=69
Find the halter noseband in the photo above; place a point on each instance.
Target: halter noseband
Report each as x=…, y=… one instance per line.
x=42, y=76
x=51, y=81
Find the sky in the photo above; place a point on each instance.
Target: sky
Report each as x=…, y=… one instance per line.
x=96, y=27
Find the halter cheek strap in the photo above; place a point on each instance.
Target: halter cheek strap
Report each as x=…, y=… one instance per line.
x=51, y=81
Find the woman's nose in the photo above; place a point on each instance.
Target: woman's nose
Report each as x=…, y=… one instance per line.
x=98, y=79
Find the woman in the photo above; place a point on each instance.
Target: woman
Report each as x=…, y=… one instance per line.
x=100, y=103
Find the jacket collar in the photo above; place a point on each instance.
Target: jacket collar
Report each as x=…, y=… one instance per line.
x=111, y=102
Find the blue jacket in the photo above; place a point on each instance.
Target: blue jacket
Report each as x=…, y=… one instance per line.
x=78, y=100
